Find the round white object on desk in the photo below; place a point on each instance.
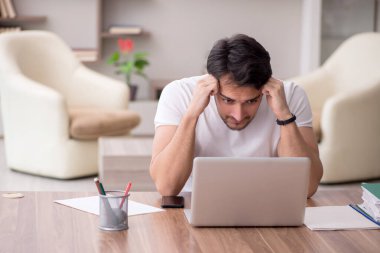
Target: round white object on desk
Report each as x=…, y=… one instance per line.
x=13, y=195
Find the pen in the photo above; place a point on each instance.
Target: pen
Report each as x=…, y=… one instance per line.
x=129, y=185
x=99, y=186
x=104, y=200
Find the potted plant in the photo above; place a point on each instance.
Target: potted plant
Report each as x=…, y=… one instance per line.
x=128, y=63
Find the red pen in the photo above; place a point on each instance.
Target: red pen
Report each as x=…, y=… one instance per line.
x=129, y=185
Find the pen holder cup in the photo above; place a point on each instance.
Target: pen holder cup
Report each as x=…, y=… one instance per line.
x=113, y=211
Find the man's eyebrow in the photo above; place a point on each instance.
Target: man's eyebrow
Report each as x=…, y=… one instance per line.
x=225, y=97
x=255, y=97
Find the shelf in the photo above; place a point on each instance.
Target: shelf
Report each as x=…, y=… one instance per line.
x=107, y=35
x=86, y=55
x=22, y=19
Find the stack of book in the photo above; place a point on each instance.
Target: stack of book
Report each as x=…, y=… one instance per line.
x=371, y=200
x=370, y=208
x=7, y=9
x=125, y=29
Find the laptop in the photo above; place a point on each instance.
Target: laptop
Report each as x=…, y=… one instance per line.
x=249, y=191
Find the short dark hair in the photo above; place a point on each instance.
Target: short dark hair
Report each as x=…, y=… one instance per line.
x=241, y=56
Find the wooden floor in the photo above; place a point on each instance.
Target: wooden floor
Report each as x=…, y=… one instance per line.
x=16, y=181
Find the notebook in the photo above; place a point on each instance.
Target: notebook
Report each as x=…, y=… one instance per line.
x=249, y=191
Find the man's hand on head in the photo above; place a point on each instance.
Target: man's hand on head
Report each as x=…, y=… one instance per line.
x=207, y=86
x=275, y=94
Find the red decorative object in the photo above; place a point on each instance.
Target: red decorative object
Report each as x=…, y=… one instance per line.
x=125, y=45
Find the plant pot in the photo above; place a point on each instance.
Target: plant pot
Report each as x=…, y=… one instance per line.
x=133, y=92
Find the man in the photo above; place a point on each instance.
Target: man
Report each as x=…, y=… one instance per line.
x=238, y=109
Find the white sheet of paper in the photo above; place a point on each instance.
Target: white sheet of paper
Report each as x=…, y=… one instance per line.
x=336, y=218
x=91, y=205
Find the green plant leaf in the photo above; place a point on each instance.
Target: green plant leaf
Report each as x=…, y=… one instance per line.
x=127, y=68
x=141, y=63
x=140, y=55
x=113, y=58
x=128, y=65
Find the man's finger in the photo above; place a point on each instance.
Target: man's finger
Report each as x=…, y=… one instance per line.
x=215, y=90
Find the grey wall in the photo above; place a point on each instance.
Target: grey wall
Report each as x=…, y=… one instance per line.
x=343, y=18
x=181, y=32
x=74, y=20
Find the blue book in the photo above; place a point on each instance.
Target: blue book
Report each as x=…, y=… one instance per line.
x=364, y=213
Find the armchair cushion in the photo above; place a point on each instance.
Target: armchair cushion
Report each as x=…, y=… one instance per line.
x=89, y=124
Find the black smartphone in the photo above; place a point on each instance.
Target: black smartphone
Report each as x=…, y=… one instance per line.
x=172, y=202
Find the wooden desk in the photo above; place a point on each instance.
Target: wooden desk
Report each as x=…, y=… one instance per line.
x=36, y=224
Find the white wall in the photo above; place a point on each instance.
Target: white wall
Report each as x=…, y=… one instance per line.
x=311, y=35
x=75, y=21
x=182, y=32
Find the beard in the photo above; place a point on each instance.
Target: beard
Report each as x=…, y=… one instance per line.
x=232, y=124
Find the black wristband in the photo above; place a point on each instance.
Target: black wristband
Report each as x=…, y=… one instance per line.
x=287, y=121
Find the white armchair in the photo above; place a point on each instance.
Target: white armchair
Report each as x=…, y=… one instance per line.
x=41, y=79
x=346, y=93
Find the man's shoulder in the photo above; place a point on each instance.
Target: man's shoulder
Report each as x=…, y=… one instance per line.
x=292, y=88
x=289, y=85
x=180, y=90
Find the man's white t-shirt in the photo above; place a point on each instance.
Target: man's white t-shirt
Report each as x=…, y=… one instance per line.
x=214, y=139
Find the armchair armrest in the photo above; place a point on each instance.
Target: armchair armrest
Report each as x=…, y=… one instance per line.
x=317, y=85
x=351, y=119
x=33, y=112
x=91, y=89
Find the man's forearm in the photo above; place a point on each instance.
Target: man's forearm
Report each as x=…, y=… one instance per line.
x=292, y=144
x=174, y=152
x=171, y=168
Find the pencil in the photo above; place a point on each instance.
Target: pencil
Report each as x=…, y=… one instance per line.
x=99, y=186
